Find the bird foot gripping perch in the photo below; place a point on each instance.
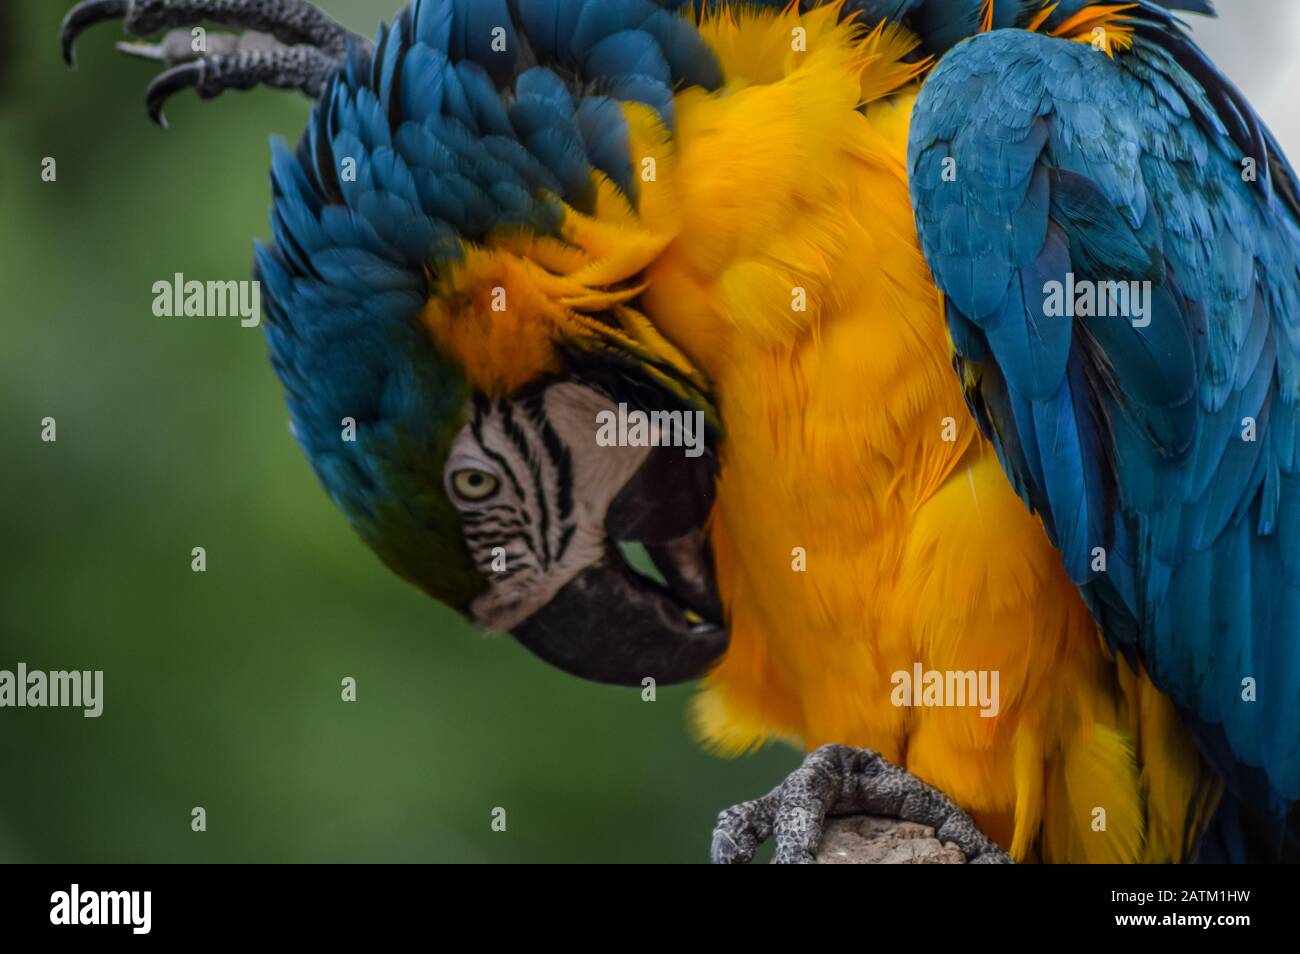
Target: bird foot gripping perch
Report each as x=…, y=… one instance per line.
x=841, y=780
x=291, y=44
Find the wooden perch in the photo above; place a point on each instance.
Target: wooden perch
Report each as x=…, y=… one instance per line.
x=871, y=840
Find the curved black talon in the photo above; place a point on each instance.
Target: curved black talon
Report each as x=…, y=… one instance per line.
x=87, y=14
x=168, y=83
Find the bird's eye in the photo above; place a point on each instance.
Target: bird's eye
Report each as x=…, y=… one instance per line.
x=474, y=485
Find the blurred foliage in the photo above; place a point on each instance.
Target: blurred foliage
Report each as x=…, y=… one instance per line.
x=222, y=689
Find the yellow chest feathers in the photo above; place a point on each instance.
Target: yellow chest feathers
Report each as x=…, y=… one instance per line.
x=862, y=526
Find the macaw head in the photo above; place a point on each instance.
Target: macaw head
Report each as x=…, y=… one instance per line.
x=450, y=302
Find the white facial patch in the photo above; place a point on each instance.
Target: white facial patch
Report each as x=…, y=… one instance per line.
x=551, y=486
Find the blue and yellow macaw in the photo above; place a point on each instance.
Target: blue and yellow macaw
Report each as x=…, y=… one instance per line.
x=508, y=220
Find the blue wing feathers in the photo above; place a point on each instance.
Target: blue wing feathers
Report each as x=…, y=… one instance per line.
x=1035, y=352
x=1173, y=444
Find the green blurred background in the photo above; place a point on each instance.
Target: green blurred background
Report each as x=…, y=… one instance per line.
x=222, y=689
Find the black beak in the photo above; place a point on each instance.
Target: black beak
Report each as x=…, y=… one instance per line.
x=611, y=624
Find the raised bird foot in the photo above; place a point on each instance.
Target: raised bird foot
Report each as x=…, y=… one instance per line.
x=840, y=780
x=293, y=45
